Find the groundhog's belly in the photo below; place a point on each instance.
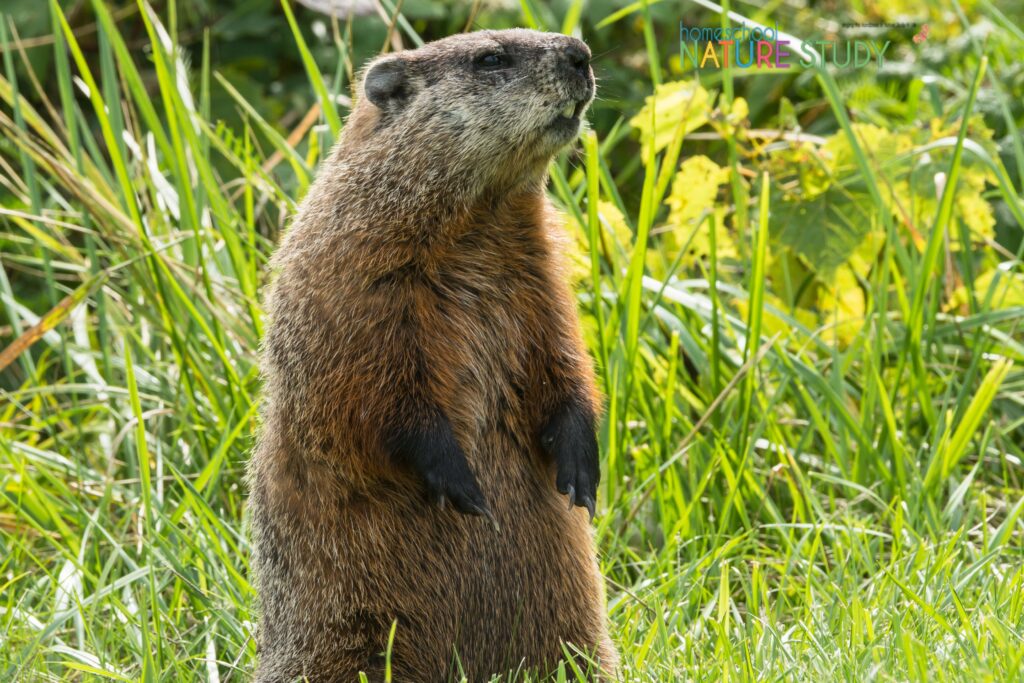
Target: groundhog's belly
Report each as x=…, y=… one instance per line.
x=500, y=597
x=536, y=578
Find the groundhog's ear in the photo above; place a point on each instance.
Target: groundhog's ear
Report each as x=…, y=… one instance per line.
x=387, y=83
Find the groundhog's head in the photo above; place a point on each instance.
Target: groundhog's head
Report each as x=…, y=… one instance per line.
x=490, y=99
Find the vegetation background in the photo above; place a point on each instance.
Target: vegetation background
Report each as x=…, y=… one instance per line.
x=803, y=289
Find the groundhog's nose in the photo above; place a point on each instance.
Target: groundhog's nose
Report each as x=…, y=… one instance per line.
x=578, y=55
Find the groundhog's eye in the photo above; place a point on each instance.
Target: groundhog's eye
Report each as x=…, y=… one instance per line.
x=491, y=60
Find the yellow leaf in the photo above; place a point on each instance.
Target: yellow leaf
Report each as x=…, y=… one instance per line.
x=772, y=324
x=616, y=238
x=738, y=112
x=729, y=121
x=865, y=255
x=1008, y=292
x=841, y=301
x=975, y=211
x=675, y=104
x=577, y=260
x=614, y=223
x=695, y=189
x=880, y=143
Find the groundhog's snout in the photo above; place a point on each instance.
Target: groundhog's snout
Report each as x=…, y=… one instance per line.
x=573, y=66
x=578, y=56
x=575, y=62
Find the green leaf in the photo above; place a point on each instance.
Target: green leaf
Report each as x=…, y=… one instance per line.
x=825, y=231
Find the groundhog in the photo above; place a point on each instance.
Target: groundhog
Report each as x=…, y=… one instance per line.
x=428, y=456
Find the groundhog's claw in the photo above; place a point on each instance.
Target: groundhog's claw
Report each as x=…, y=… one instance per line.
x=585, y=501
x=453, y=482
x=491, y=518
x=569, y=439
x=591, y=506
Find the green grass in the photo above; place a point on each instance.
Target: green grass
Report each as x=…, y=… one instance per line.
x=777, y=503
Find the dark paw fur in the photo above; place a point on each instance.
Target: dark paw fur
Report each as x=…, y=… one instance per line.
x=569, y=438
x=449, y=479
x=433, y=453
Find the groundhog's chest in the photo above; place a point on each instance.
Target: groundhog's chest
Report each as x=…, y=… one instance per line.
x=498, y=343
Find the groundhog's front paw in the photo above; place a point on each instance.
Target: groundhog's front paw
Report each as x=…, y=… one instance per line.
x=569, y=438
x=432, y=451
x=450, y=479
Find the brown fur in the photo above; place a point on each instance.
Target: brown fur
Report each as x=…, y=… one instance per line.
x=422, y=270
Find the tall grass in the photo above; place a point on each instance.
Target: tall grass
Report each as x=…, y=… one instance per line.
x=775, y=504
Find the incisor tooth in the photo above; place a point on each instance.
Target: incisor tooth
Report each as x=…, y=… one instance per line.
x=568, y=110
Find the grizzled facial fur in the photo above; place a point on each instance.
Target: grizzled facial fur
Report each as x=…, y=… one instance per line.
x=490, y=99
